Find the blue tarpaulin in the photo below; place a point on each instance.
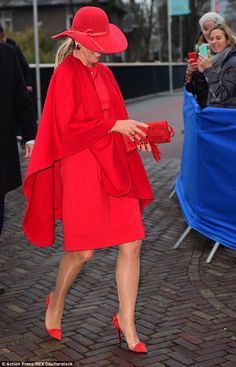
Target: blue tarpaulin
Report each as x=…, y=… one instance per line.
x=206, y=186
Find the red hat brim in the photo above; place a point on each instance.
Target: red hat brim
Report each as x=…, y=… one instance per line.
x=113, y=42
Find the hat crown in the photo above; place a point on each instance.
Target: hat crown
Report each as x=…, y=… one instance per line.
x=92, y=30
x=91, y=18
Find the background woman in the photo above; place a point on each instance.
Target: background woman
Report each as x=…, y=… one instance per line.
x=206, y=22
x=216, y=76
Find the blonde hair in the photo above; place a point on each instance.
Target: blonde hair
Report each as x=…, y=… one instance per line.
x=201, y=39
x=65, y=49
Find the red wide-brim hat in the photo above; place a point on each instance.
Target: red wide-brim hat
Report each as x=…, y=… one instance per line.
x=91, y=29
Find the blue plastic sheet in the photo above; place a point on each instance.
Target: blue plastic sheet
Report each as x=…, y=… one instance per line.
x=206, y=186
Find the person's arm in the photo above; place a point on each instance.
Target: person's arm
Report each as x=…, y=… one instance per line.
x=198, y=87
x=127, y=127
x=67, y=106
x=75, y=129
x=194, y=80
x=23, y=106
x=189, y=83
x=200, y=83
x=191, y=68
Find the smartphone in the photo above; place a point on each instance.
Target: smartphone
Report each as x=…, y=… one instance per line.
x=192, y=56
x=204, y=49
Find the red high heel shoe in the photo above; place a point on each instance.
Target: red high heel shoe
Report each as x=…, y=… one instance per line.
x=54, y=333
x=139, y=348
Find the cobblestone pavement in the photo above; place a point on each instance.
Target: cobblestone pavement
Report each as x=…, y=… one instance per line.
x=186, y=309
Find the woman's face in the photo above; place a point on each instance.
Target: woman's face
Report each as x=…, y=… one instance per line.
x=218, y=41
x=87, y=56
x=207, y=26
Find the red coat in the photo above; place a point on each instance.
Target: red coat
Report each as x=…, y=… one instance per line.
x=72, y=120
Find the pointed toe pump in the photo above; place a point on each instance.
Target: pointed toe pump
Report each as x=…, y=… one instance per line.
x=138, y=348
x=54, y=333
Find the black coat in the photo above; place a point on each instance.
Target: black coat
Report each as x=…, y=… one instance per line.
x=23, y=63
x=14, y=102
x=199, y=88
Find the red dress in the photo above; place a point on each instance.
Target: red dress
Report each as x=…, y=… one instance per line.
x=78, y=171
x=91, y=218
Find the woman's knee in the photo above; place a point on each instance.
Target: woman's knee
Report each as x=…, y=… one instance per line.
x=81, y=256
x=131, y=249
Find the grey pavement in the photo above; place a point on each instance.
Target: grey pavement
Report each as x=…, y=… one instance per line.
x=186, y=309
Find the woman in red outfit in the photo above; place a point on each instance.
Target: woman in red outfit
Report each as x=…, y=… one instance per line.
x=80, y=171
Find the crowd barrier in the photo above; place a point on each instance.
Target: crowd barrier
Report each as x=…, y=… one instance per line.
x=206, y=185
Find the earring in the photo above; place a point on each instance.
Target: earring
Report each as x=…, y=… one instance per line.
x=77, y=46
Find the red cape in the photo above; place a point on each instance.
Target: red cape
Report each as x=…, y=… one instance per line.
x=72, y=120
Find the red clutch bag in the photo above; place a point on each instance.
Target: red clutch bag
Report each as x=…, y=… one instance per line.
x=158, y=132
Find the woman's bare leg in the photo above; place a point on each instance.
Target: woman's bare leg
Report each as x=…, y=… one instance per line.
x=70, y=266
x=127, y=277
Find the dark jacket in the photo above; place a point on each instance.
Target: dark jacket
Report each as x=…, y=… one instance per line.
x=222, y=83
x=217, y=86
x=199, y=88
x=14, y=101
x=23, y=63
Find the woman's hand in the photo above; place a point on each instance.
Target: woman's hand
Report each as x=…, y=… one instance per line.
x=144, y=146
x=28, y=150
x=204, y=63
x=192, y=66
x=130, y=128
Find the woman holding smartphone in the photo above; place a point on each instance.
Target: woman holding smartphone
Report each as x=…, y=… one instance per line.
x=216, y=75
x=193, y=76
x=206, y=22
